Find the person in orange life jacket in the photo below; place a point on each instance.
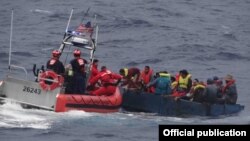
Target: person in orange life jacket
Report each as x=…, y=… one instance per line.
x=146, y=77
x=94, y=72
x=109, y=81
x=162, y=83
x=229, y=91
x=79, y=74
x=131, y=77
x=184, y=84
x=94, y=68
x=55, y=64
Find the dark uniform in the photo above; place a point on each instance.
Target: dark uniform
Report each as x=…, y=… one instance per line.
x=79, y=75
x=56, y=66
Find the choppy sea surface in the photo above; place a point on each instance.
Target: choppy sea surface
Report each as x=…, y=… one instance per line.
x=206, y=37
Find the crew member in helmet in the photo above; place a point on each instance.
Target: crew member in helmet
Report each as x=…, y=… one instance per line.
x=55, y=64
x=79, y=74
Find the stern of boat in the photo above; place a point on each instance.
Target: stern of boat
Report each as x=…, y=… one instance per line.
x=27, y=93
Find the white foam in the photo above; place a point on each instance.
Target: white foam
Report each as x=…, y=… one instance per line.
x=41, y=11
x=14, y=116
x=75, y=114
x=226, y=30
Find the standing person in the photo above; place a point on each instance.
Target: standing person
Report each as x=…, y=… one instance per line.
x=146, y=77
x=94, y=72
x=79, y=74
x=94, y=69
x=131, y=77
x=55, y=64
x=109, y=81
x=162, y=84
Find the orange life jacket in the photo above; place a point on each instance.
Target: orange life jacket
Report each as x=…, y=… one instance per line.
x=227, y=85
x=146, y=77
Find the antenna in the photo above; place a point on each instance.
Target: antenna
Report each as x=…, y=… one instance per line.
x=61, y=48
x=11, y=30
x=69, y=20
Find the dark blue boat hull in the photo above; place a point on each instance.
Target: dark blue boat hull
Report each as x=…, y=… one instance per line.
x=167, y=106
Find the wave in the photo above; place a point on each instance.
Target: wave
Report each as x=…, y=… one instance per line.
x=13, y=116
x=201, y=52
x=162, y=12
x=3, y=55
x=230, y=56
x=120, y=22
x=132, y=63
x=146, y=62
x=41, y=11
x=226, y=56
x=118, y=42
x=19, y=53
x=151, y=61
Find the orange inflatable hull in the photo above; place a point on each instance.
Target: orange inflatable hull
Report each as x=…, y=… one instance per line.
x=89, y=103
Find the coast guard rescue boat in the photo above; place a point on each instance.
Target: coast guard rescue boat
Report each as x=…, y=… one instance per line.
x=48, y=91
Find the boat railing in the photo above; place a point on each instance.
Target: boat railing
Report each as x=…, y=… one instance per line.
x=22, y=68
x=86, y=47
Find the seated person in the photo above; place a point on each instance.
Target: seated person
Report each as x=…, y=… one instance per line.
x=229, y=91
x=197, y=91
x=184, y=84
x=211, y=92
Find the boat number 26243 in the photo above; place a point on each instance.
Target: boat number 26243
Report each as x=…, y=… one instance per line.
x=31, y=90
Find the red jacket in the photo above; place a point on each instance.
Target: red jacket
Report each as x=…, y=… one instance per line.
x=94, y=71
x=146, y=78
x=106, y=77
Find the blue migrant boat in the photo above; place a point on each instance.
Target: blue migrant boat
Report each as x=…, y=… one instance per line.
x=167, y=106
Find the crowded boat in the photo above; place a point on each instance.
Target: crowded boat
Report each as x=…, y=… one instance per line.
x=81, y=83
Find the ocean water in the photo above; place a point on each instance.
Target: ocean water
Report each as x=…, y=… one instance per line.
x=207, y=38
